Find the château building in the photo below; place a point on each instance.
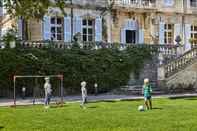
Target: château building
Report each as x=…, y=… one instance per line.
x=113, y=21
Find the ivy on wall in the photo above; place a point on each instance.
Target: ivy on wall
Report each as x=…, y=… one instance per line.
x=110, y=68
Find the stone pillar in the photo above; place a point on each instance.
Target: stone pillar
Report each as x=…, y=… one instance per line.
x=109, y=27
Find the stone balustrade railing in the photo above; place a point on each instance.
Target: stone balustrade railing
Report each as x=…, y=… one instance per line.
x=179, y=63
x=166, y=50
x=135, y=3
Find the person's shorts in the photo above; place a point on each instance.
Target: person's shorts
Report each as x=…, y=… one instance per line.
x=147, y=98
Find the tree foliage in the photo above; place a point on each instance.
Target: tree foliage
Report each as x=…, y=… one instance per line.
x=32, y=9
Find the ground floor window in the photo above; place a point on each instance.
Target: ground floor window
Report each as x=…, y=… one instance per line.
x=88, y=30
x=194, y=34
x=168, y=33
x=57, y=28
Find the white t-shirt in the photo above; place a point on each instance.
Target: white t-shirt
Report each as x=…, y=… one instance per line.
x=83, y=92
x=47, y=87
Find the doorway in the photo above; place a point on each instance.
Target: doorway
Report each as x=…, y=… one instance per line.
x=131, y=36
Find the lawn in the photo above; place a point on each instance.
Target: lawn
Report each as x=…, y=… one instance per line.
x=168, y=115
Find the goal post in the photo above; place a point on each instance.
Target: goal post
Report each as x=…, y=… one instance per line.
x=59, y=77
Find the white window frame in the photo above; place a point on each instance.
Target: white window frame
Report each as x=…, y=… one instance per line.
x=54, y=36
x=193, y=3
x=87, y=27
x=168, y=39
x=193, y=33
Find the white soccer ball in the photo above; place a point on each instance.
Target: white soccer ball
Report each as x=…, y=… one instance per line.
x=141, y=108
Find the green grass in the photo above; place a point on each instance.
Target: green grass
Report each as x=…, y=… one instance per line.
x=168, y=115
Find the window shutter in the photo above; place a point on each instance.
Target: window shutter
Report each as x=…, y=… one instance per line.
x=177, y=31
x=98, y=29
x=161, y=33
x=141, y=36
x=187, y=36
x=77, y=25
x=123, y=37
x=20, y=28
x=67, y=29
x=46, y=28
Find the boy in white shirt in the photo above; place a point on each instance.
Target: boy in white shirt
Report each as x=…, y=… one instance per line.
x=83, y=94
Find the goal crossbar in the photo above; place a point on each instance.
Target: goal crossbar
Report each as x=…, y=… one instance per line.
x=38, y=76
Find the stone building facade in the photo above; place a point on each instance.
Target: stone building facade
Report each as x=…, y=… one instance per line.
x=114, y=21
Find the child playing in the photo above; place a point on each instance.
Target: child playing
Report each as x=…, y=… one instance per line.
x=147, y=90
x=83, y=94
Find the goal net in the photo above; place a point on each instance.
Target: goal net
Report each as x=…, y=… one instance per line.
x=29, y=89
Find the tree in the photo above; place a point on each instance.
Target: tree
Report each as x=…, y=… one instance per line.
x=32, y=9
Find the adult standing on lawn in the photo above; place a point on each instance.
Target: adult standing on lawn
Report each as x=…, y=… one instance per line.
x=48, y=91
x=147, y=90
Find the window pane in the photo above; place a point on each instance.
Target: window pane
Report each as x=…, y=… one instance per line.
x=165, y=40
x=52, y=29
x=84, y=38
x=195, y=35
x=84, y=31
x=191, y=28
x=90, y=31
x=59, y=37
x=52, y=36
x=169, y=26
x=59, y=30
x=165, y=26
x=59, y=21
x=53, y=20
x=195, y=28
x=90, y=22
x=90, y=38
x=84, y=22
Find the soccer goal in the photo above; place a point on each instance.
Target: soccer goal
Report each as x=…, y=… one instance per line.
x=29, y=89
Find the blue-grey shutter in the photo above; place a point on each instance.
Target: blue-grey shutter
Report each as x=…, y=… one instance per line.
x=98, y=29
x=77, y=25
x=161, y=33
x=67, y=29
x=187, y=36
x=123, y=37
x=141, y=36
x=177, y=31
x=46, y=28
x=20, y=28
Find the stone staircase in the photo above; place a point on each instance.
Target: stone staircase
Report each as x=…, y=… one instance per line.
x=179, y=74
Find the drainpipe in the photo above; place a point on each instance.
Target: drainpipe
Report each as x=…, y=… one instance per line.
x=71, y=2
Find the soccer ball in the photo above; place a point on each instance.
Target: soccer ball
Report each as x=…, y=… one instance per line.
x=141, y=108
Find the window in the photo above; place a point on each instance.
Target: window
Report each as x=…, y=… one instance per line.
x=194, y=34
x=193, y=3
x=57, y=32
x=168, y=2
x=88, y=29
x=168, y=33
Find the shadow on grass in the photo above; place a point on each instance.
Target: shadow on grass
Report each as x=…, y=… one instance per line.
x=92, y=107
x=183, y=97
x=58, y=106
x=157, y=108
x=1, y=127
x=194, y=98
